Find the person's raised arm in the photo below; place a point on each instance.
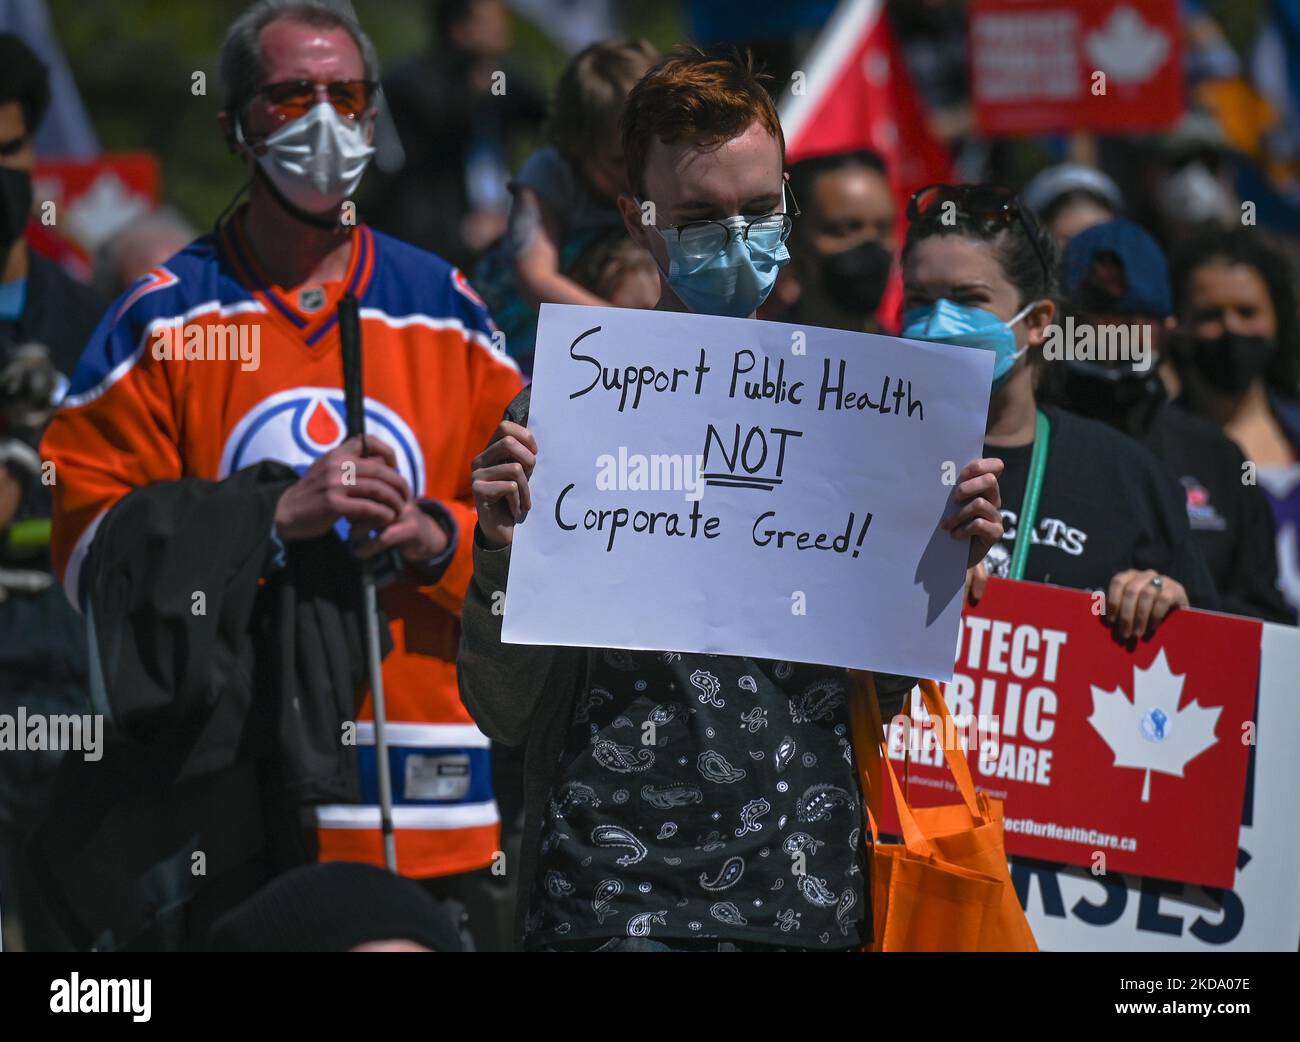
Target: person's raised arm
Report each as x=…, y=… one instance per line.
x=501, y=684
x=537, y=236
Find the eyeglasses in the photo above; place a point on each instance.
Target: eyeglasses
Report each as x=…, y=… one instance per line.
x=993, y=206
x=700, y=240
x=290, y=99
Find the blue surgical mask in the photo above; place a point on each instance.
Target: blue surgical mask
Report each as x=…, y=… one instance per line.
x=733, y=281
x=944, y=322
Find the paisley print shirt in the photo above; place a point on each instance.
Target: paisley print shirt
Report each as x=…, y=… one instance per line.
x=703, y=796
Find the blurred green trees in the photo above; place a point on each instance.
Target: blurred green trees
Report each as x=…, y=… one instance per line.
x=134, y=63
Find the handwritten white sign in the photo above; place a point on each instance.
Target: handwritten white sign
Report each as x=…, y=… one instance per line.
x=738, y=487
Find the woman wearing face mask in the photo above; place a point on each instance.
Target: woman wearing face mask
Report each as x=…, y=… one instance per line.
x=1082, y=505
x=1237, y=351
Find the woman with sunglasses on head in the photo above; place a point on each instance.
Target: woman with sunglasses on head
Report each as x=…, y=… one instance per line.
x=1082, y=505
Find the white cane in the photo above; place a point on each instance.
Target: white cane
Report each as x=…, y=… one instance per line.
x=354, y=403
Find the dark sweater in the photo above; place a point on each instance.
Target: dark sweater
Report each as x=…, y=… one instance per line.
x=526, y=695
x=1107, y=505
x=1230, y=518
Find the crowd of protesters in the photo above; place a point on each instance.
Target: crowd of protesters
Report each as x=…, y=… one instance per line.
x=1169, y=482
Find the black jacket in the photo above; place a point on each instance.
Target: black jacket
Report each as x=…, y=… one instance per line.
x=60, y=313
x=42, y=640
x=225, y=697
x=1230, y=518
x=1108, y=505
x=42, y=650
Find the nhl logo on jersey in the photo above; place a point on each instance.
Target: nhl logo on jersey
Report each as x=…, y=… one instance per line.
x=311, y=300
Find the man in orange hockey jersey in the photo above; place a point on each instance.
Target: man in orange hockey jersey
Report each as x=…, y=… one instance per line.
x=228, y=354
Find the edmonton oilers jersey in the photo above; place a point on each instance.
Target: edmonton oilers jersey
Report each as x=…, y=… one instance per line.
x=202, y=368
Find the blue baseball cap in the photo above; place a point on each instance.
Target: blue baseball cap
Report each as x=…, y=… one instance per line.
x=1146, y=273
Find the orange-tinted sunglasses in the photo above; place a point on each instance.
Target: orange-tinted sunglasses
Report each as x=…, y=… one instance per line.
x=290, y=99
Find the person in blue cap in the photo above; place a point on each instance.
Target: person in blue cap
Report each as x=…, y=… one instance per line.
x=1117, y=295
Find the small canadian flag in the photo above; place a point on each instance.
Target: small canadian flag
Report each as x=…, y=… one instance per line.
x=1151, y=733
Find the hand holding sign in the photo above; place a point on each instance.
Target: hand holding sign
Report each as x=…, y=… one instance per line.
x=500, y=473
x=976, y=513
x=730, y=486
x=499, y=481
x=1138, y=601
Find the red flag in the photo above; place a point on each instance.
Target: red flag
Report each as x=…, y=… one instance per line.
x=854, y=92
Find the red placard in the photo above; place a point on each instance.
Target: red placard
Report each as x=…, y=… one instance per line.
x=1051, y=66
x=1140, y=755
x=81, y=202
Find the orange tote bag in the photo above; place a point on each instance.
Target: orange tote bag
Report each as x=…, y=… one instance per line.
x=946, y=887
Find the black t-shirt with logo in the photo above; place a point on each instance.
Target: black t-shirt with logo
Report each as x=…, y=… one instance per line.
x=1230, y=518
x=1107, y=505
x=704, y=797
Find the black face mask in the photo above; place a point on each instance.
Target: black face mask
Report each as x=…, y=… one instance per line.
x=1230, y=363
x=855, y=278
x=1117, y=396
x=15, y=204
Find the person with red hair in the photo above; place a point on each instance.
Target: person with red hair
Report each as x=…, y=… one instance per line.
x=740, y=825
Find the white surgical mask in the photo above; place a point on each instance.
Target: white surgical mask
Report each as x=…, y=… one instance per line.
x=315, y=161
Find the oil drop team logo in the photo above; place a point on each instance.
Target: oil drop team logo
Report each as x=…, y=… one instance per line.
x=300, y=425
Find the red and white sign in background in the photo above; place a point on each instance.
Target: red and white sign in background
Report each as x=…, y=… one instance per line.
x=1053, y=66
x=1156, y=757
x=92, y=200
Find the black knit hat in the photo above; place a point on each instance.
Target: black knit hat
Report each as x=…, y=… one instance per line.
x=333, y=907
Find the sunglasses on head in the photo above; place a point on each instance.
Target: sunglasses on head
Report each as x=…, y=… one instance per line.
x=290, y=99
x=993, y=207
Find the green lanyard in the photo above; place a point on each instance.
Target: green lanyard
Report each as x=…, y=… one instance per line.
x=1033, y=492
